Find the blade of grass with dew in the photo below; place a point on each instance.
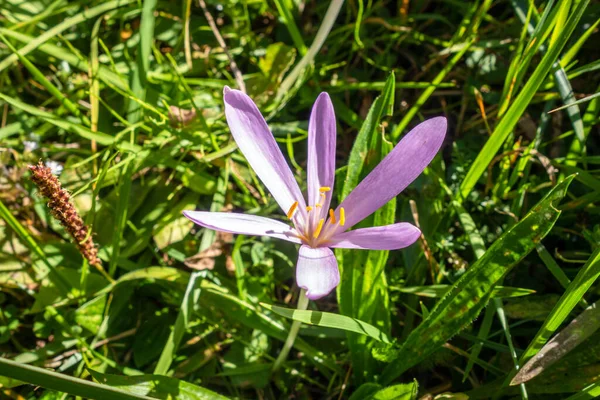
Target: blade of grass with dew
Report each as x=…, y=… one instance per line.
x=471, y=292
x=510, y=119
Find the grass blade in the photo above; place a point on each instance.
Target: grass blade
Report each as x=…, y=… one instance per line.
x=510, y=119
x=62, y=383
x=330, y=320
x=63, y=26
x=473, y=290
x=586, y=276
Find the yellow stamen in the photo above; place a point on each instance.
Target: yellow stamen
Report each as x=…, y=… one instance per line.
x=319, y=227
x=308, y=208
x=342, y=216
x=324, y=189
x=332, y=215
x=292, y=210
x=318, y=205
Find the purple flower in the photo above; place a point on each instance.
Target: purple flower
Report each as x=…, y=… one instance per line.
x=315, y=226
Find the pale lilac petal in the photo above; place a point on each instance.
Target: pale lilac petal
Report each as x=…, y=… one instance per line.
x=258, y=145
x=243, y=224
x=395, y=172
x=388, y=237
x=317, y=271
x=321, y=152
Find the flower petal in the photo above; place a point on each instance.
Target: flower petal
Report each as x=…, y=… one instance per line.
x=317, y=271
x=258, y=145
x=321, y=152
x=388, y=237
x=395, y=172
x=243, y=224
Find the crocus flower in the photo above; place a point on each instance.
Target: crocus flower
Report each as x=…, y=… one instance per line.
x=314, y=225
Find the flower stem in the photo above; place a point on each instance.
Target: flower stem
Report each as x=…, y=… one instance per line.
x=289, y=342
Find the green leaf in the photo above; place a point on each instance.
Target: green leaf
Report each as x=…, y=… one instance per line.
x=330, y=320
x=224, y=305
x=101, y=138
x=471, y=292
x=62, y=383
x=156, y=387
x=373, y=391
x=435, y=291
x=190, y=300
x=402, y=391
x=363, y=292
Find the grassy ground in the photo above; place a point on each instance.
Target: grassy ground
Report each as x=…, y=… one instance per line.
x=123, y=99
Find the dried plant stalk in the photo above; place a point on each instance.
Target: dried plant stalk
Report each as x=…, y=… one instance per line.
x=59, y=202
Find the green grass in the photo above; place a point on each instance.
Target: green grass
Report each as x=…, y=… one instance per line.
x=187, y=313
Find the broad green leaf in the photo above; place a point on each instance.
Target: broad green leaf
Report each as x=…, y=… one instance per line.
x=330, y=320
x=62, y=383
x=362, y=292
x=472, y=291
x=156, y=387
